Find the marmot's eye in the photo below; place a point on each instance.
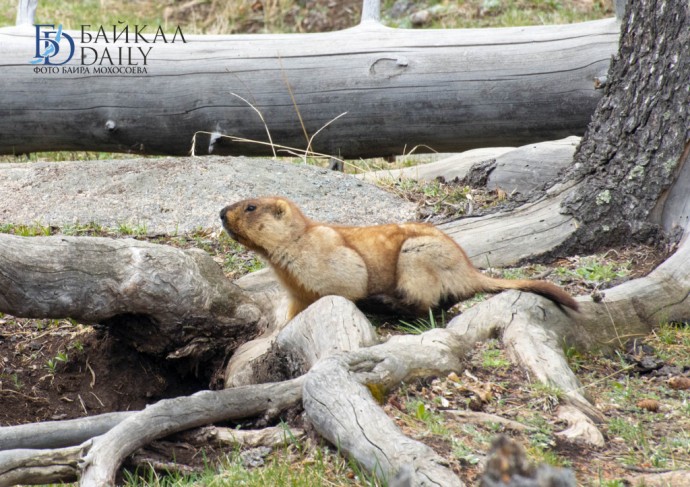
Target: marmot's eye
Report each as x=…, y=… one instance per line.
x=250, y=208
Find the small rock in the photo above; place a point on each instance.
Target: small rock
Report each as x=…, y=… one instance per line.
x=255, y=456
x=400, y=8
x=420, y=18
x=668, y=371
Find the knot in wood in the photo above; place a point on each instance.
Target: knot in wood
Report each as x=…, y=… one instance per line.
x=388, y=67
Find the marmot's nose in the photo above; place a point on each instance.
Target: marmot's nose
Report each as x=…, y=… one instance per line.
x=223, y=214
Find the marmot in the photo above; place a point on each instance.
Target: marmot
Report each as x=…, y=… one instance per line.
x=408, y=268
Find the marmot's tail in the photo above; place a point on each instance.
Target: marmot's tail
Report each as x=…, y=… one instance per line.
x=543, y=288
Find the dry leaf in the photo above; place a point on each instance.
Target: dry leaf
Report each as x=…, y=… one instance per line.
x=680, y=383
x=649, y=404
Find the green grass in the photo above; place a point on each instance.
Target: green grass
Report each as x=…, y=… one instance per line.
x=596, y=269
x=33, y=230
x=294, y=467
x=446, y=14
x=420, y=325
x=60, y=156
x=216, y=16
x=494, y=357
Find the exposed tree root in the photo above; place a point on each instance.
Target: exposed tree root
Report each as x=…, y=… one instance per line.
x=97, y=460
x=137, y=289
x=338, y=389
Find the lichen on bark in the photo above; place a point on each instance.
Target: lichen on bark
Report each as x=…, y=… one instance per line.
x=633, y=147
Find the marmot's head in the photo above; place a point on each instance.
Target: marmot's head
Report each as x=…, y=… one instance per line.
x=263, y=224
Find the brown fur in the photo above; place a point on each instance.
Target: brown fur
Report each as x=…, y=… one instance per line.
x=410, y=267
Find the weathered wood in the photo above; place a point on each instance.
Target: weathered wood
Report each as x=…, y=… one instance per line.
x=330, y=325
x=520, y=169
x=273, y=300
x=451, y=167
x=507, y=238
x=107, y=452
x=96, y=460
x=532, y=166
x=56, y=434
x=371, y=10
x=580, y=426
x=534, y=329
x=26, y=12
x=450, y=90
x=138, y=289
x=272, y=436
x=334, y=325
x=676, y=478
x=351, y=418
x=336, y=399
x=39, y=466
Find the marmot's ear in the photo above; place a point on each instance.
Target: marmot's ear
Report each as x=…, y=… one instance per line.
x=281, y=208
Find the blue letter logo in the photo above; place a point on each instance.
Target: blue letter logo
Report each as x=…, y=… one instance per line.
x=48, y=44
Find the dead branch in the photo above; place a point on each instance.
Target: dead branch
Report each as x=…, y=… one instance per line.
x=272, y=436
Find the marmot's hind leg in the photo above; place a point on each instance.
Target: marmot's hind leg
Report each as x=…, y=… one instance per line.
x=433, y=272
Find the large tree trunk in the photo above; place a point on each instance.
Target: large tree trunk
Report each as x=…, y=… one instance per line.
x=444, y=90
x=639, y=140
x=630, y=179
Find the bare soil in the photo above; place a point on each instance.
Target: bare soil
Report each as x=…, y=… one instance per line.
x=54, y=370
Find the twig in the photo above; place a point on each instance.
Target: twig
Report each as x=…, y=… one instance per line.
x=282, y=148
x=632, y=468
x=93, y=374
x=30, y=398
x=97, y=399
x=83, y=406
x=268, y=132
x=292, y=97
x=308, y=149
x=479, y=417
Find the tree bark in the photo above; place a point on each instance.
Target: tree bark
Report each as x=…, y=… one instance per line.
x=639, y=139
x=630, y=177
x=447, y=90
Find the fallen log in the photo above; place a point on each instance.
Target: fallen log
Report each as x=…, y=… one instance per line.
x=442, y=90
